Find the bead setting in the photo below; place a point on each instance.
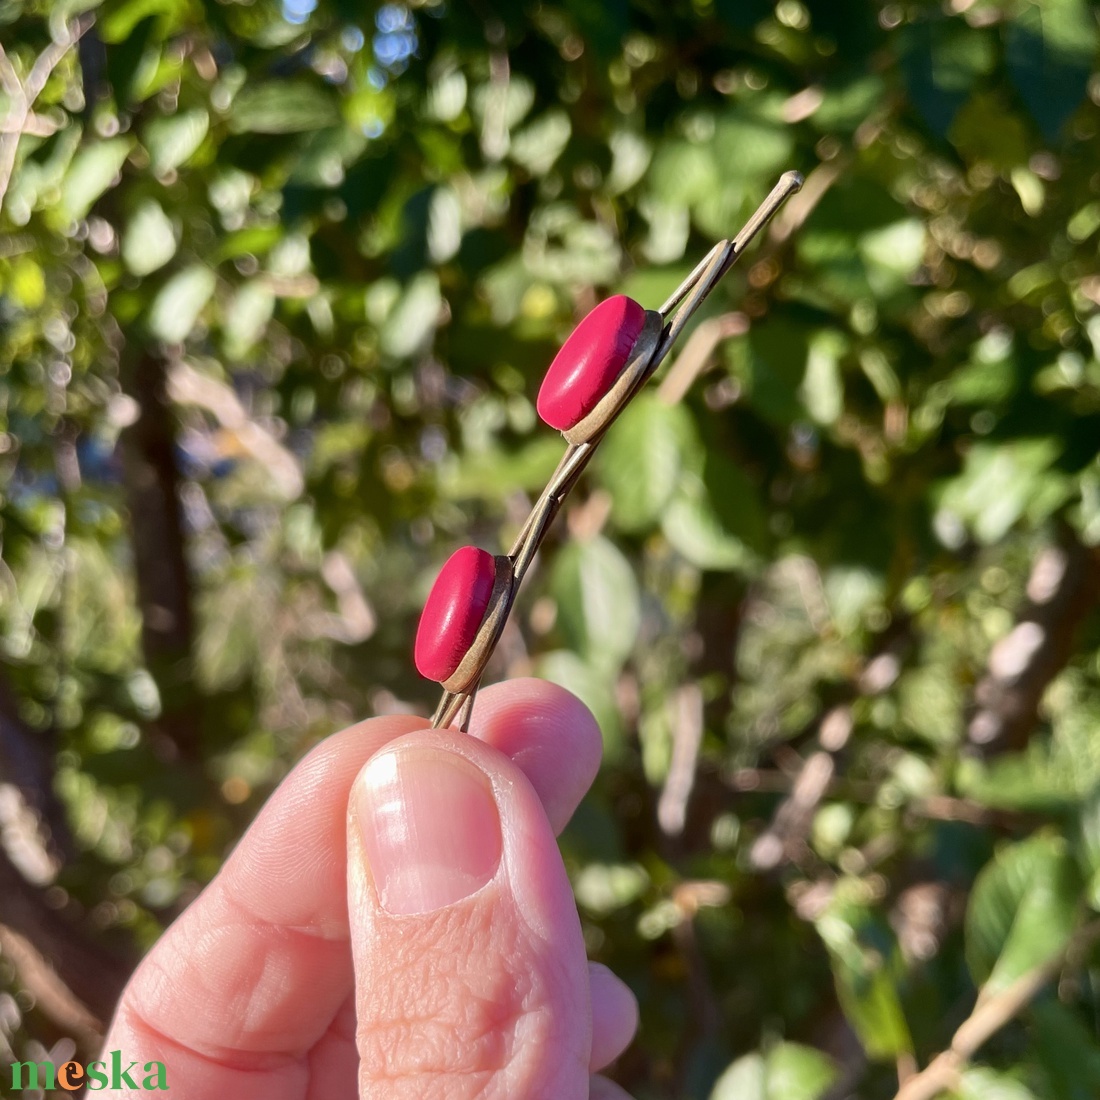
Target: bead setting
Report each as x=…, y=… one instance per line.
x=590, y=361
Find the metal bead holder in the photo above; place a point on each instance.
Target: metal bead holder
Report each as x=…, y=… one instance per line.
x=658, y=333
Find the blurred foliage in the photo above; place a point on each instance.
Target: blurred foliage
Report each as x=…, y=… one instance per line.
x=277, y=286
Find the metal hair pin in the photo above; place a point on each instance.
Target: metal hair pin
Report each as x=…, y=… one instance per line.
x=608, y=358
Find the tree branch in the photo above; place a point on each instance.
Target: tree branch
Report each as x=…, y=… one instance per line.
x=94, y=975
x=51, y=995
x=1063, y=589
x=163, y=578
x=26, y=763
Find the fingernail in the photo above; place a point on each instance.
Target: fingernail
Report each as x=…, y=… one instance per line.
x=430, y=828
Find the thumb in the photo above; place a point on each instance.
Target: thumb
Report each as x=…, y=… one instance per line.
x=470, y=970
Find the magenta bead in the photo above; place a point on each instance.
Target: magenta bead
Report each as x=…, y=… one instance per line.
x=590, y=361
x=454, y=612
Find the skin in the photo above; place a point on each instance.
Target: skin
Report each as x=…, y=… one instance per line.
x=288, y=980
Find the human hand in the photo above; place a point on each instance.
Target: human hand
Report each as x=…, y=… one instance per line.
x=395, y=930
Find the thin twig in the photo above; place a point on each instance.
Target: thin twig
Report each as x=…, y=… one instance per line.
x=802, y=205
x=992, y=1012
x=51, y=994
x=23, y=95
x=937, y=807
x=686, y=741
x=696, y=356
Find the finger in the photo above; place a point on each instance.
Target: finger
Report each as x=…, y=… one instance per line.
x=549, y=733
x=614, y=1016
x=470, y=965
x=600, y=1088
x=256, y=968
x=259, y=965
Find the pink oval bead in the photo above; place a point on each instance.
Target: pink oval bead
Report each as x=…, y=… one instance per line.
x=590, y=361
x=454, y=611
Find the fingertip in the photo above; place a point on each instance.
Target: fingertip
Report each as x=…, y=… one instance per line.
x=614, y=1015
x=600, y=1088
x=549, y=733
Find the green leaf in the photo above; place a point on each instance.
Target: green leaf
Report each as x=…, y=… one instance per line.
x=173, y=140
x=176, y=308
x=1036, y=780
x=942, y=59
x=1001, y=484
x=412, y=320
x=1049, y=51
x=1088, y=843
x=119, y=21
x=598, y=604
x=91, y=172
x=604, y=888
x=797, y=1072
x=594, y=689
x=822, y=389
x=539, y=144
x=694, y=528
x=980, y=1083
x=132, y=63
x=777, y=360
x=246, y=317
x=893, y=254
x=149, y=240
x=789, y=1071
x=745, y=1079
x=284, y=107
x=639, y=462
x=866, y=967
x=751, y=149
x=1022, y=910
x=1066, y=1051
x=495, y=474
x=683, y=173
x=987, y=129
x=26, y=283
x=325, y=155
x=990, y=376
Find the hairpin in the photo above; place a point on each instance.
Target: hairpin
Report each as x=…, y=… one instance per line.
x=605, y=361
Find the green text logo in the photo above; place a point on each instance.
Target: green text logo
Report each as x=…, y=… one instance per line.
x=96, y=1076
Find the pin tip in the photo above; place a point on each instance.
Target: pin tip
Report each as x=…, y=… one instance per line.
x=793, y=180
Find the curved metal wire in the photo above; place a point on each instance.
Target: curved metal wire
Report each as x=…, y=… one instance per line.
x=676, y=312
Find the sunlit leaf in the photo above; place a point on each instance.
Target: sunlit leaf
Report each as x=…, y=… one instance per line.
x=579, y=676
x=247, y=316
x=173, y=139
x=1000, y=485
x=176, y=308
x=789, y=1071
x=597, y=597
x=640, y=460
x=91, y=172
x=1022, y=911
x=413, y=319
x=149, y=241
x=981, y=1083
x=282, y=108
